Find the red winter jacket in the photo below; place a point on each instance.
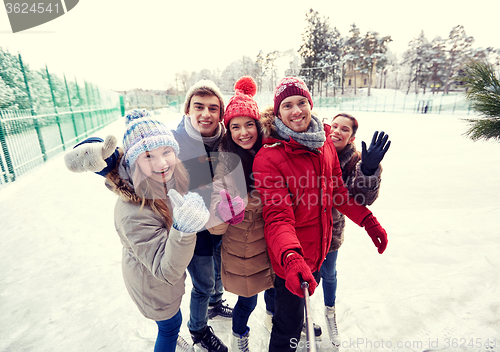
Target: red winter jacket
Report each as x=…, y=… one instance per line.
x=298, y=188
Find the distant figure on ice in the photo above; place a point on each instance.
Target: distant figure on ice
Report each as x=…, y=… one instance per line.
x=298, y=175
x=361, y=175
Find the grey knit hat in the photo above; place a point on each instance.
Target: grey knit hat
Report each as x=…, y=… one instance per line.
x=203, y=87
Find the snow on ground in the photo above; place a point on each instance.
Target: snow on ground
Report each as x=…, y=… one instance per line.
x=437, y=286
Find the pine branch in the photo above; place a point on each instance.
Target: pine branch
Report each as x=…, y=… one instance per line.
x=485, y=128
x=483, y=93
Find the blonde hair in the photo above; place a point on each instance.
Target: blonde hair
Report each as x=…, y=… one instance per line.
x=152, y=192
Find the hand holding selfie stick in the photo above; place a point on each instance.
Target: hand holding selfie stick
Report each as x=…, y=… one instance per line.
x=311, y=341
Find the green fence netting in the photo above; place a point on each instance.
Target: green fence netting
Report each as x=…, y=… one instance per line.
x=28, y=140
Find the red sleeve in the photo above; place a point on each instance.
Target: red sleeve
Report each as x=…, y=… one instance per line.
x=342, y=201
x=278, y=212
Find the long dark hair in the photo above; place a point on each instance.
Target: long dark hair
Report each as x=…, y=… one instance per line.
x=246, y=155
x=355, y=124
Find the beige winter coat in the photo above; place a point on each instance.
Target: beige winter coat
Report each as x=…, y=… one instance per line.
x=246, y=268
x=154, y=258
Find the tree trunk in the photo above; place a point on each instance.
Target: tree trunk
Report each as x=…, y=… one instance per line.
x=355, y=76
x=416, y=83
x=326, y=84
x=342, y=80
x=370, y=79
x=409, y=85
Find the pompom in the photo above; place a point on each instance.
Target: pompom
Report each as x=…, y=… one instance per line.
x=136, y=114
x=246, y=85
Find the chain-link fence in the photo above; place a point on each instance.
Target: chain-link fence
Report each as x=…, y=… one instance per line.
x=152, y=101
x=41, y=114
x=386, y=101
x=399, y=102
x=28, y=140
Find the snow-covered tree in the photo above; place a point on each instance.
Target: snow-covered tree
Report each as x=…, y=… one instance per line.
x=437, y=63
x=332, y=59
x=352, y=51
x=372, y=55
x=458, y=52
x=39, y=88
x=321, y=52
x=271, y=69
x=7, y=99
x=483, y=92
x=390, y=75
x=419, y=58
x=230, y=75
x=314, y=49
x=12, y=76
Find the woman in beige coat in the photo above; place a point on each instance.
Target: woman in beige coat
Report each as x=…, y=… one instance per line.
x=236, y=212
x=157, y=243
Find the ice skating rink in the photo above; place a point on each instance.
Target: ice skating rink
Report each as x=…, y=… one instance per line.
x=437, y=286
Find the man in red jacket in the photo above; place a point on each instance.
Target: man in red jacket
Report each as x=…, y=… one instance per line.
x=298, y=175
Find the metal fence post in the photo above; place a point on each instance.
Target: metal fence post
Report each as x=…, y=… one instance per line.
x=81, y=107
x=9, y=174
x=99, y=103
x=55, y=107
x=33, y=113
x=71, y=109
x=122, y=105
x=88, y=104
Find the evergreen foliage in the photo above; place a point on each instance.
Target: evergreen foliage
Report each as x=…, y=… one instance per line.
x=483, y=92
x=14, y=94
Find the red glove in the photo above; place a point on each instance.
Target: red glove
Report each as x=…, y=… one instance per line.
x=296, y=272
x=376, y=232
x=231, y=211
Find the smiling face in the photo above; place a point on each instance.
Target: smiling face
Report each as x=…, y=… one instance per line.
x=295, y=112
x=341, y=132
x=243, y=131
x=158, y=164
x=204, y=113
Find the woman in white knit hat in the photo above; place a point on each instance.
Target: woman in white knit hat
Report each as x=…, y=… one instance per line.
x=157, y=220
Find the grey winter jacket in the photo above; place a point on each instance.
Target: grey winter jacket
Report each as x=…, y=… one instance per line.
x=154, y=258
x=364, y=189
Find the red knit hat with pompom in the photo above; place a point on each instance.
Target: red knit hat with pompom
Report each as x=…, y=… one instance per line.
x=242, y=103
x=288, y=87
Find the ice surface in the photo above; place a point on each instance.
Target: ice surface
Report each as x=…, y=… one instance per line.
x=436, y=286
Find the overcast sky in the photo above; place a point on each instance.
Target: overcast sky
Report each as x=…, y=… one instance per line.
x=126, y=44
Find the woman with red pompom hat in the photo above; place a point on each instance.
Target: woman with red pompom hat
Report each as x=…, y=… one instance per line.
x=236, y=212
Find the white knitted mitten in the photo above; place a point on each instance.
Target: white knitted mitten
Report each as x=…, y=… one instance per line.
x=90, y=156
x=190, y=212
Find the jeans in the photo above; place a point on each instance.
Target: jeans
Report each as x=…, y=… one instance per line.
x=246, y=305
x=241, y=312
x=219, y=288
x=168, y=330
x=288, y=318
x=269, y=297
x=329, y=276
x=201, y=269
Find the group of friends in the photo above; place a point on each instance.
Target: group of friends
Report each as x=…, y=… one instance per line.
x=247, y=201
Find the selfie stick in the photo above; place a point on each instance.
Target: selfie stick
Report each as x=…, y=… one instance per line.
x=311, y=341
